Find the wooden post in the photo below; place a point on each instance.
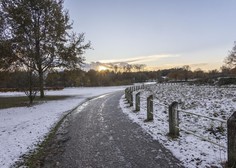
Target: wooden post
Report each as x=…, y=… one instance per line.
x=132, y=88
x=150, y=108
x=129, y=95
x=131, y=98
x=137, y=102
x=173, y=120
x=126, y=93
x=231, y=132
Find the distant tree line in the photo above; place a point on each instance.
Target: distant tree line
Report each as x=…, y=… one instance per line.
x=74, y=78
x=78, y=77
x=118, y=75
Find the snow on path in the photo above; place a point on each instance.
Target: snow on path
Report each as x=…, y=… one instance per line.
x=22, y=128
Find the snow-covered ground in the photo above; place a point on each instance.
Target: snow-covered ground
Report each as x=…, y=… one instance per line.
x=213, y=102
x=22, y=128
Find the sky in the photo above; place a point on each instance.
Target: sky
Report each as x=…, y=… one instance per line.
x=158, y=33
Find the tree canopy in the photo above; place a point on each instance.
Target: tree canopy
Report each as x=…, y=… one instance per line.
x=39, y=36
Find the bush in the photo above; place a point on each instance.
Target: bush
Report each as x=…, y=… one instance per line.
x=227, y=81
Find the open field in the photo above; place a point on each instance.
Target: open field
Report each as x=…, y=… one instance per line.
x=213, y=102
x=23, y=128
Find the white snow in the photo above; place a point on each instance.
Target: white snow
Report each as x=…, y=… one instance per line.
x=208, y=101
x=22, y=128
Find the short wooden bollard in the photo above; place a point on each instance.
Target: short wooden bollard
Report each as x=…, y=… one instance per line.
x=137, y=102
x=132, y=88
x=231, y=131
x=131, y=99
x=173, y=120
x=150, y=108
x=126, y=93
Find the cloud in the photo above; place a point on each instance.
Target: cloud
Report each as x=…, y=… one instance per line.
x=140, y=59
x=123, y=62
x=204, y=66
x=154, y=59
x=198, y=65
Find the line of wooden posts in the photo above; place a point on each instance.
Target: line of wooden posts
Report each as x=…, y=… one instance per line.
x=174, y=120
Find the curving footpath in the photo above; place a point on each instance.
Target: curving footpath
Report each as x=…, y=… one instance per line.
x=101, y=135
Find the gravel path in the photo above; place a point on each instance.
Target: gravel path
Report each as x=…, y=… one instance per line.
x=100, y=135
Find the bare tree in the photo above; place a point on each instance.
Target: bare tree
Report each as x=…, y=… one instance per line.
x=186, y=69
x=230, y=60
x=139, y=67
x=129, y=68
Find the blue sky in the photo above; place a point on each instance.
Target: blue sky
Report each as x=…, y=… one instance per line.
x=160, y=33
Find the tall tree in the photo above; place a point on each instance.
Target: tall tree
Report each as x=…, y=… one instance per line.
x=41, y=36
x=5, y=45
x=230, y=60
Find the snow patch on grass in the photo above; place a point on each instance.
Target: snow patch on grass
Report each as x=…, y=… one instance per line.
x=22, y=128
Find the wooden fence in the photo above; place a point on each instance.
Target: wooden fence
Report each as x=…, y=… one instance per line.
x=174, y=119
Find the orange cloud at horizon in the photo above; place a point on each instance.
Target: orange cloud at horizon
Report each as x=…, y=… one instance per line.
x=202, y=66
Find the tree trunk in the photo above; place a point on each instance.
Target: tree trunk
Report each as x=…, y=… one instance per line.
x=30, y=87
x=41, y=85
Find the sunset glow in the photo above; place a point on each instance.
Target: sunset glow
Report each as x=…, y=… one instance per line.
x=102, y=68
x=159, y=34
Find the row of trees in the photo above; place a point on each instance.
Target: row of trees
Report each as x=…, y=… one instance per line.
x=118, y=67
x=110, y=77
x=128, y=68
x=77, y=77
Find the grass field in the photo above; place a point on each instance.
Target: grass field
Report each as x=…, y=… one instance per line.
x=8, y=102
